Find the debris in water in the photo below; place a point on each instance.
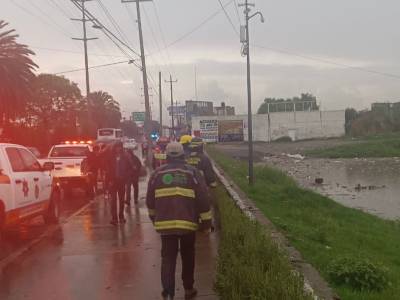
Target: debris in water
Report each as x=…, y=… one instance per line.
x=295, y=156
x=319, y=180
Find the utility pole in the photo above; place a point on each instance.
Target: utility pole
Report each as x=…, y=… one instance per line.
x=160, y=95
x=147, y=120
x=85, y=39
x=195, y=82
x=172, y=102
x=246, y=52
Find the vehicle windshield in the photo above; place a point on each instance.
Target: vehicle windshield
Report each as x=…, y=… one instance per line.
x=106, y=132
x=69, y=151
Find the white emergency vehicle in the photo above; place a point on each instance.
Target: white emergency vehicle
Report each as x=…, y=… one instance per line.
x=67, y=159
x=27, y=189
x=109, y=134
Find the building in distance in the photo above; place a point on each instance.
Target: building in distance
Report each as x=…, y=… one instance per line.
x=224, y=110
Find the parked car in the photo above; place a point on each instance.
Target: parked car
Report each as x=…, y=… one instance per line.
x=27, y=189
x=67, y=158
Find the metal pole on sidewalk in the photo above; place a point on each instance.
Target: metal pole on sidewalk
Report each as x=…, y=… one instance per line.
x=249, y=106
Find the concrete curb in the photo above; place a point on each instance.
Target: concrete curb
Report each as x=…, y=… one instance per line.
x=313, y=281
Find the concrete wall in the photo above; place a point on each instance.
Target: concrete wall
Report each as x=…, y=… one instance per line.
x=297, y=125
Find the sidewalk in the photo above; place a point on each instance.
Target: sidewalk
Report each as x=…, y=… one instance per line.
x=87, y=258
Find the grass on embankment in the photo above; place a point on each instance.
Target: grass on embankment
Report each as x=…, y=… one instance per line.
x=250, y=266
x=376, y=146
x=321, y=229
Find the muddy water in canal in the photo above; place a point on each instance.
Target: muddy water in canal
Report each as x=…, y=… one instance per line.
x=372, y=185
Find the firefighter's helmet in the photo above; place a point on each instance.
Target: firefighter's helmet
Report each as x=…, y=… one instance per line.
x=185, y=139
x=174, y=150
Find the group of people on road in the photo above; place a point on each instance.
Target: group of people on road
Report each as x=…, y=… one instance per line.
x=120, y=169
x=178, y=198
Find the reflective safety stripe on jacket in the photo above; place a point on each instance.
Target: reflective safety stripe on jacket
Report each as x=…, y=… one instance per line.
x=160, y=156
x=174, y=191
x=177, y=199
x=176, y=224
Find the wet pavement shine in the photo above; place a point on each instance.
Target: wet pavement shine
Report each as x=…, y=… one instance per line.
x=87, y=258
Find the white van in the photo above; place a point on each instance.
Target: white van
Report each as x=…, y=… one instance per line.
x=26, y=188
x=109, y=134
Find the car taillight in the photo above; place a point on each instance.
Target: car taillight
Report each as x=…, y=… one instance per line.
x=4, y=179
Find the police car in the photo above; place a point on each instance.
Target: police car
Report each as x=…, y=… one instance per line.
x=67, y=158
x=27, y=189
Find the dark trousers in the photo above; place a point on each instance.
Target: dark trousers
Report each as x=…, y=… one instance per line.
x=135, y=184
x=117, y=192
x=170, y=245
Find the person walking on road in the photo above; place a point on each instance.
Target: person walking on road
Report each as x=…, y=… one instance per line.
x=119, y=168
x=178, y=207
x=196, y=157
x=133, y=179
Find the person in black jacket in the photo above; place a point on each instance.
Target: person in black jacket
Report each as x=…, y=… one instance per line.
x=196, y=157
x=133, y=179
x=179, y=205
x=118, y=168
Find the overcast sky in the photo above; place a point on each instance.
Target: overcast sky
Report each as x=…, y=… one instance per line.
x=304, y=46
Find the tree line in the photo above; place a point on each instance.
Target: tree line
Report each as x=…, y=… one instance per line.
x=42, y=109
x=306, y=102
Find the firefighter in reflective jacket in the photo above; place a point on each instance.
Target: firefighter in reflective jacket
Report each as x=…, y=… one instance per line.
x=178, y=207
x=196, y=157
x=159, y=156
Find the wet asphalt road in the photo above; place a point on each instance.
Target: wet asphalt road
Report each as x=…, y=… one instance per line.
x=87, y=258
x=20, y=236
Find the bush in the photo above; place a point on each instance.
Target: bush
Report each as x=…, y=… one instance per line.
x=250, y=266
x=359, y=274
x=284, y=139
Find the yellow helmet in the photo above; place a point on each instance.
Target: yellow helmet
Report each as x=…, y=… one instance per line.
x=185, y=139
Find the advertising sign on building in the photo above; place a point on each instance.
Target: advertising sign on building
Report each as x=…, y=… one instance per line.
x=230, y=131
x=209, y=130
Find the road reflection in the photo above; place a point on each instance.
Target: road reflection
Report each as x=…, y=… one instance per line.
x=21, y=235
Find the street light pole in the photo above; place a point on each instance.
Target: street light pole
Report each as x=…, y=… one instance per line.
x=249, y=105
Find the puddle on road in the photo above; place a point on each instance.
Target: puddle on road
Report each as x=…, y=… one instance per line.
x=372, y=185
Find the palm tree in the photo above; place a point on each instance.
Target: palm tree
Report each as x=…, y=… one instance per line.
x=16, y=72
x=104, y=110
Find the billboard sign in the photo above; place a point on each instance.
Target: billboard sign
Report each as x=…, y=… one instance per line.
x=209, y=130
x=138, y=116
x=230, y=131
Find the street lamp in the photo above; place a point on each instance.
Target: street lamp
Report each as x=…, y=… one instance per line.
x=246, y=52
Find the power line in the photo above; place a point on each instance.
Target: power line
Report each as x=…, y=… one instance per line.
x=74, y=52
x=43, y=20
x=228, y=17
x=113, y=22
x=105, y=30
x=204, y=22
x=237, y=12
x=329, y=62
x=94, y=67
